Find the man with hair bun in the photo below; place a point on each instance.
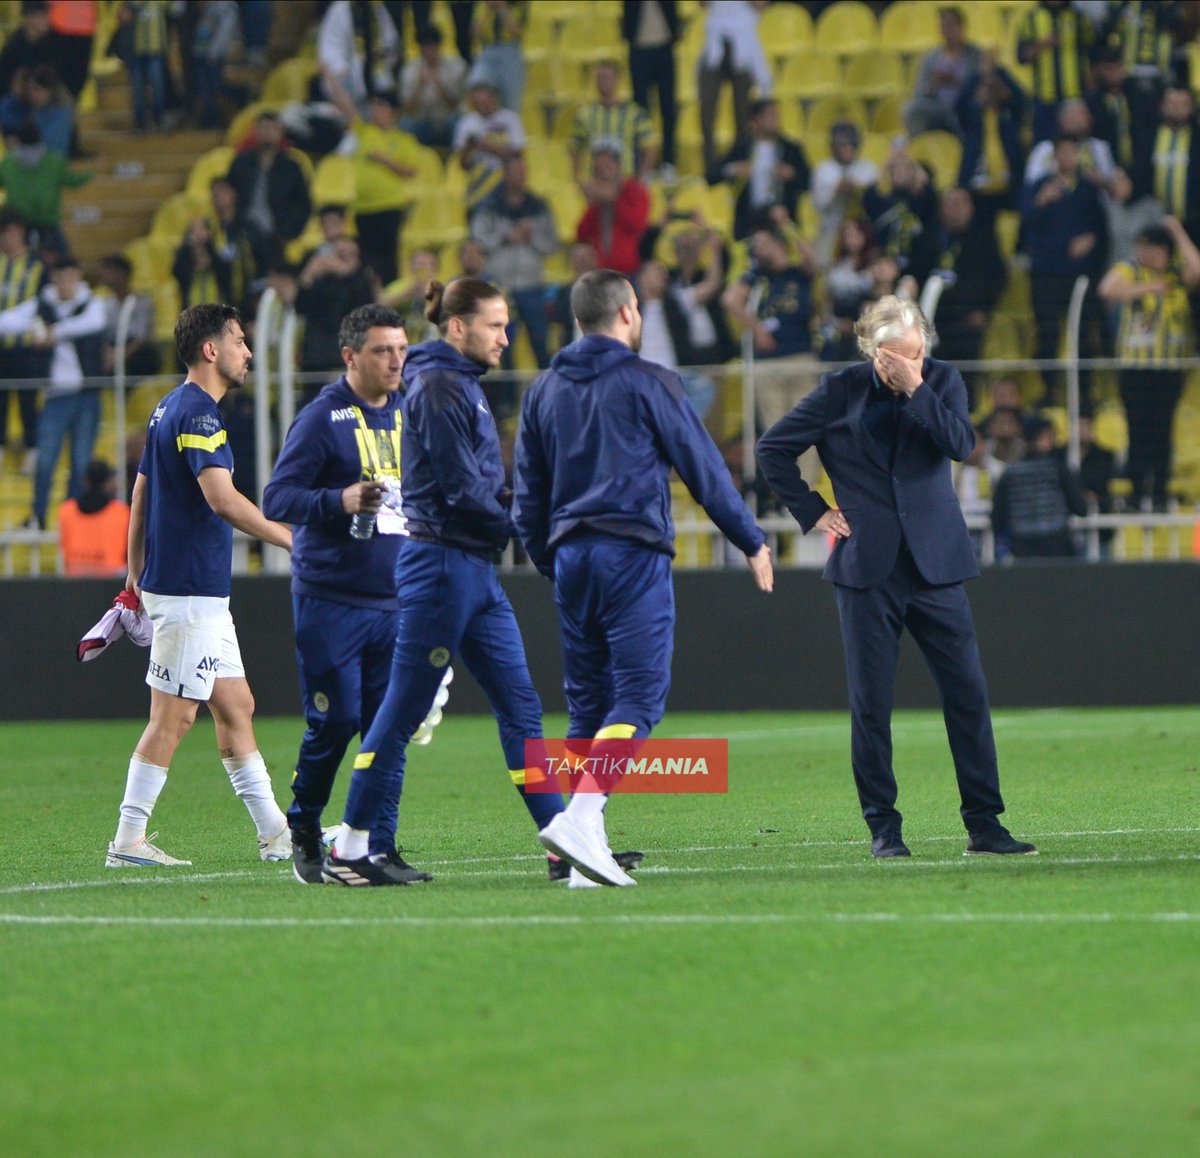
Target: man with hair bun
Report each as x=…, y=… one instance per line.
x=886, y=431
x=456, y=505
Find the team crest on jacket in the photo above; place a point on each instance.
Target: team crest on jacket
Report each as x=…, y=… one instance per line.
x=439, y=657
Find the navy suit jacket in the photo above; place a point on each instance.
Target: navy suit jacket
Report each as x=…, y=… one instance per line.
x=911, y=500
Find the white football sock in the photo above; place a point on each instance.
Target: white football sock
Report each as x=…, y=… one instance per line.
x=143, y=783
x=252, y=782
x=587, y=807
x=351, y=843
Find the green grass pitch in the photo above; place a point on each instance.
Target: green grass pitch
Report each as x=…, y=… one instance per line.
x=767, y=989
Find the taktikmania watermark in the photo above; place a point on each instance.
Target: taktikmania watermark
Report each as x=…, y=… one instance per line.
x=612, y=765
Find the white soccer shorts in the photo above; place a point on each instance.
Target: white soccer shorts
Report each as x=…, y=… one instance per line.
x=195, y=643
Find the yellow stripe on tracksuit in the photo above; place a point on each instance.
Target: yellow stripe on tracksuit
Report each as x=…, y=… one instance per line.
x=612, y=732
x=201, y=442
x=364, y=760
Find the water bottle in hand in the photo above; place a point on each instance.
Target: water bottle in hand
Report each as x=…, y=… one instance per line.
x=362, y=525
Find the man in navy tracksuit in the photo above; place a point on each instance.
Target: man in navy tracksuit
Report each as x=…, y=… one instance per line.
x=886, y=431
x=601, y=431
x=457, y=507
x=333, y=464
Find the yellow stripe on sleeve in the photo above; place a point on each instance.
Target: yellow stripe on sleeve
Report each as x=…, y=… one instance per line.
x=364, y=760
x=201, y=442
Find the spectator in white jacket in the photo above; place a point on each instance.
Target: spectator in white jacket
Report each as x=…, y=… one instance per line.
x=69, y=320
x=837, y=186
x=357, y=43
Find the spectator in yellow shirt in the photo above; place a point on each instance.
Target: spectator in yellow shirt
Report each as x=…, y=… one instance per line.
x=386, y=162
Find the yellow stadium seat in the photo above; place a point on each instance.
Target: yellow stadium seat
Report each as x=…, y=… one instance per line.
x=810, y=74
x=887, y=114
x=289, y=80
x=876, y=147
x=151, y=258
x=846, y=26
x=173, y=217
x=913, y=26
x=568, y=205
x=145, y=396
x=456, y=181
x=564, y=122
x=714, y=203
x=541, y=31
x=549, y=163
x=875, y=73
x=783, y=29
x=243, y=123
x=987, y=26
x=166, y=310
x=942, y=152
x=829, y=109
x=205, y=170
x=1109, y=429
x=551, y=79
x=589, y=35
x=431, y=173
x=1008, y=226
x=335, y=180
x=310, y=237
x=435, y=221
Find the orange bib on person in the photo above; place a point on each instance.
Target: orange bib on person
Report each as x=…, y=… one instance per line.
x=73, y=17
x=94, y=544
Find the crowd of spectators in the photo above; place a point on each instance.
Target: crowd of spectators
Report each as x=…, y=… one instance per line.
x=1074, y=156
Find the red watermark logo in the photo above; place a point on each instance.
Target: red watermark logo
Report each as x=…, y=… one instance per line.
x=607, y=766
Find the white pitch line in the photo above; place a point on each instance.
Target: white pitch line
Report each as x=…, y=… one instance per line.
x=914, y=864
x=125, y=877
x=121, y=881
x=855, y=843
x=662, y=919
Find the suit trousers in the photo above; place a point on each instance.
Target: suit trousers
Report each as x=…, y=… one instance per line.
x=939, y=619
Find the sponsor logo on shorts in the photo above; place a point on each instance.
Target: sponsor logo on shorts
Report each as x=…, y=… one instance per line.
x=439, y=657
x=161, y=672
x=210, y=663
x=613, y=765
x=321, y=702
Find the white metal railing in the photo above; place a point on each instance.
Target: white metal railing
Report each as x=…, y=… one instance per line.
x=274, y=334
x=1159, y=535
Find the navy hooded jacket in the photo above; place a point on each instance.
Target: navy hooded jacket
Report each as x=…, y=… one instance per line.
x=600, y=431
x=321, y=456
x=454, y=484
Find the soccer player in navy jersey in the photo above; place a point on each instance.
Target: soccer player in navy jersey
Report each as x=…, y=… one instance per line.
x=183, y=511
x=600, y=432
x=456, y=504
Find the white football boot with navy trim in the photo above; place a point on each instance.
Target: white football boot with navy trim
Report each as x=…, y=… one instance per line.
x=140, y=854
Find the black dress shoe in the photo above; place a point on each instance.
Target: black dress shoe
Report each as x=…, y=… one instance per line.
x=889, y=844
x=1000, y=842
